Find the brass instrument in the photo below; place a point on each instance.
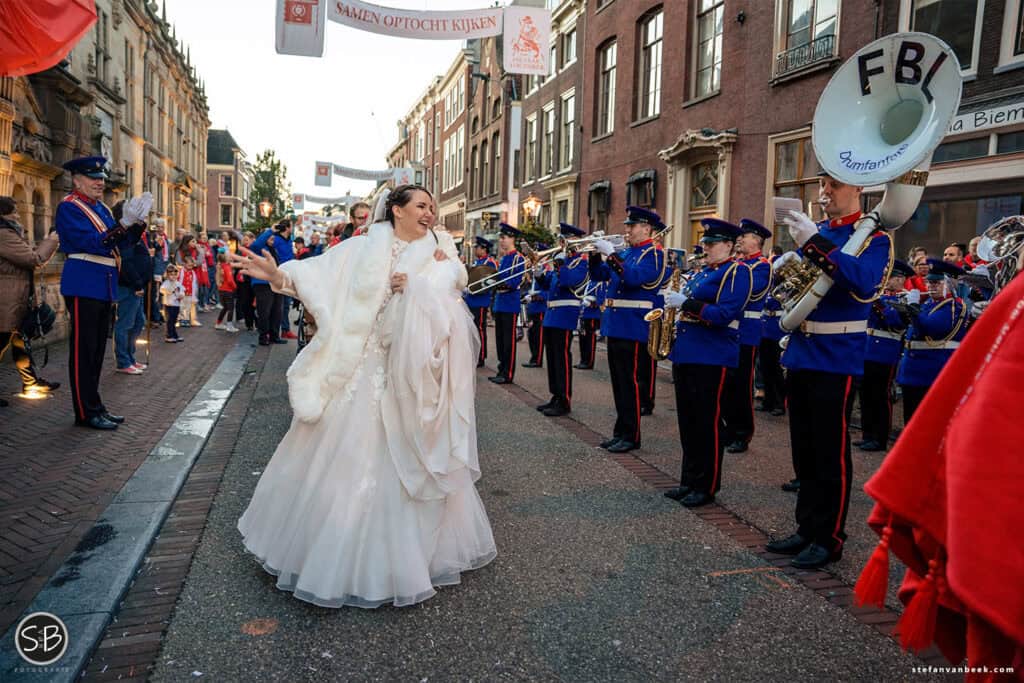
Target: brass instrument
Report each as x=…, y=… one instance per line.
x=477, y=274
x=661, y=331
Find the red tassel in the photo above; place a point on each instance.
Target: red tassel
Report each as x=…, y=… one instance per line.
x=917, y=625
x=873, y=582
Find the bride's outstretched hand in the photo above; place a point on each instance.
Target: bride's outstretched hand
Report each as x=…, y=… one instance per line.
x=256, y=266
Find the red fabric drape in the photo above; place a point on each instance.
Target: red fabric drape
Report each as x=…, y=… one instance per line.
x=37, y=34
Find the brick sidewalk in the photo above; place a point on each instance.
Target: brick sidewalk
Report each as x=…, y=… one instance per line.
x=56, y=479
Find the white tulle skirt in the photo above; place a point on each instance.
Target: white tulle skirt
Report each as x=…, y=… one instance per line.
x=332, y=520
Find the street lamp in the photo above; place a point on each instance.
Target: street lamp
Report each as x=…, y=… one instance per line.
x=531, y=208
x=266, y=208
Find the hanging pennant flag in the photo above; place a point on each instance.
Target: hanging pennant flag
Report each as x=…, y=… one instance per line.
x=527, y=35
x=302, y=198
x=427, y=25
x=323, y=174
x=298, y=202
x=300, y=27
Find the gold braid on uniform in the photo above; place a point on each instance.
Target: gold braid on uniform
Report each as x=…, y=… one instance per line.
x=761, y=295
x=656, y=283
x=885, y=273
x=582, y=287
x=956, y=328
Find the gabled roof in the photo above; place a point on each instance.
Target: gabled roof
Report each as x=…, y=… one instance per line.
x=220, y=148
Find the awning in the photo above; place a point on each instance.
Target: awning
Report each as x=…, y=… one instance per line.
x=646, y=174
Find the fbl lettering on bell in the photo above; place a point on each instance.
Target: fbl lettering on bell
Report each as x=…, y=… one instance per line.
x=909, y=68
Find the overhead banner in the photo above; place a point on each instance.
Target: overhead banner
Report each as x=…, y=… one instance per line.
x=323, y=174
x=426, y=25
x=300, y=27
x=303, y=198
x=526, y=38
x=324, y=171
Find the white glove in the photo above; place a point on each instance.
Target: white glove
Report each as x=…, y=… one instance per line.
x=675, y=299
x=801, y=227
x=788, y=257
x=136, y=209
x=589, y=300
x=914, y=296
x=489, y=282
x=605, y=247
x=538, y=269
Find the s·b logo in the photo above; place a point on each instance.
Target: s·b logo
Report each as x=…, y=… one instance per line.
x=41, y=638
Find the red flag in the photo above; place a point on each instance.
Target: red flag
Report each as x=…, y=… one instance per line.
x=298, y=11
x=37, y=34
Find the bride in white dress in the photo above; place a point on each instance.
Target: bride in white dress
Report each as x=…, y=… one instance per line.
x=370, y=497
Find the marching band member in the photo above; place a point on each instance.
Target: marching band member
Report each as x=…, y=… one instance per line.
x=707, y=344
x=934, y=333
x=506, y=304
x=822, y=358
x=738, y=404
x=768, y=354
x=590, y=321
x=536, y=300
x=479, y=303
x=881, y=356
x=634, y=276
x=562, y=317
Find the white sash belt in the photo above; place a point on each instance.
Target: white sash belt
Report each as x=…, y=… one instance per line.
x=850, y=327
x=884, y=334
x=771, y=314
x=734, y=325
x=627, y=303
x=927, y=345
x=561, y=303
x=756, y=315
x=93, y=258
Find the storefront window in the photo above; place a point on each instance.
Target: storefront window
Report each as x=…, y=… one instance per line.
x=1009, y=143
x=937, y=224
x=961, y=149
x=796, y=176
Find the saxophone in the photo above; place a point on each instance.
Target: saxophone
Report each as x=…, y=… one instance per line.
x=661, y=331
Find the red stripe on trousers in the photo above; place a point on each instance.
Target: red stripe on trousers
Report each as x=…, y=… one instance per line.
x=483, y=340
x=718, y=416
x=568, y=368
x=636, y=387
x=540, y=342
x=512, y=364
x=842, y=468
x=593, y=345
x=750, y=394
x=654, y=376
x=77, y=346
x=888, y=401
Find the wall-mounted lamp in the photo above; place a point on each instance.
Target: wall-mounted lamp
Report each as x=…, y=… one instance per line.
x=741, y=17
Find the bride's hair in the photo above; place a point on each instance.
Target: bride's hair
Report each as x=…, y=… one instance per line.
x=400, y=196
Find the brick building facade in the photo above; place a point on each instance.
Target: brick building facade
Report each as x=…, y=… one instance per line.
x=228, y=183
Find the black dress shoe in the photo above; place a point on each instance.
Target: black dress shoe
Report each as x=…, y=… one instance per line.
x=278, y=340
x=763, y=408
x=790, y=545
x=870, y=445
x=40, y=386
x=608, y=443
x=116, y=419
x=678, y=493
x=647, y=411
x=531, y=364
x=4, y=403
x=623, y=446
x=791, y=486
x=697, y=498
x=815, y=556
x=264, y=342
x=555, y=410
x=544, y=406
x=479, y=363
x=857, y=443
x=97, y=422
x=581, y=366
x=498, y=380
x=737, y=446
x=778, y=412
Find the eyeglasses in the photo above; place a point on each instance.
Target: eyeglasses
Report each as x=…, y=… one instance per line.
x=362, y=218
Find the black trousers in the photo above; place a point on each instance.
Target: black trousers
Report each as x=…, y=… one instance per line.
x=738, y=404
x=559, y=353
x=172, y=321
x=912, y=397
x=820, y=404
x=480, y=319
x=535, y=338
x=771, y=373
x=505, y=343
x=625, y=358
x=19, y=354
x=699, y=391
x=155, y=307
x=647, y=375
x=90, y=320
x=876, y=401
x=588, y=341
x=268, y=311
x=243, y=303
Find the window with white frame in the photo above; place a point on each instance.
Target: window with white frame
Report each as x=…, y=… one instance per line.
x=606, y=59
x=226, y=214
x=957, y=22
x=708, y=76
x=226, y=185
x=806, y=33
x=530, y=159
x=447, y=164
x=421, y=140
x=649, y=95
x=553, y=60
x=485, y=164
x=567, y=137
x=495, y=174
x=548, y=140
x=437, y=131
x=569, y=47
x=460, y=148
x=1011, y=47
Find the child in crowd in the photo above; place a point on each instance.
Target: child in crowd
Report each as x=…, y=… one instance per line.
x=173, y=295
x=226, y=287
x=190, y=281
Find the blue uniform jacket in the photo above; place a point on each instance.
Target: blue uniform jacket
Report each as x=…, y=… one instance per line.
x=483, y=299
x=884, y=322
x=282, y=249
x=561, y=285
x=635, y=274
x=854, y=276
x=751, y=326
x=770, y=315
x=707, y=331
x=136, y=263
x=936, y=321
x=79, y=235
x=507, y=298
x=536, y=301
x=593, y=311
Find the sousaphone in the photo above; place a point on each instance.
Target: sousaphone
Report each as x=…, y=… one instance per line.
x=877, y=122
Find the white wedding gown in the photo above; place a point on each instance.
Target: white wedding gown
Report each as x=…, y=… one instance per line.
x=332, y=516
